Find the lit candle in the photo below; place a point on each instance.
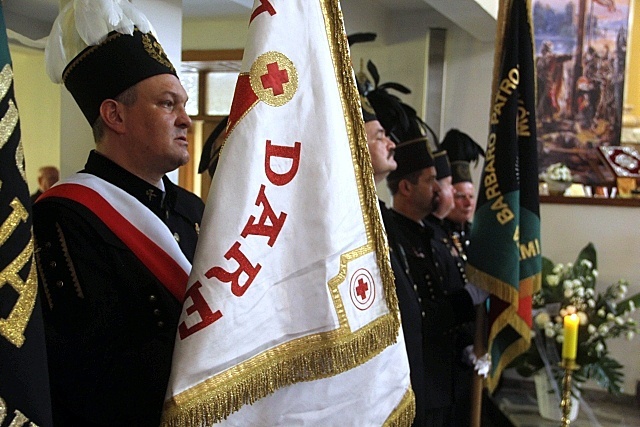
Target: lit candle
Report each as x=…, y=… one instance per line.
x=570, y=343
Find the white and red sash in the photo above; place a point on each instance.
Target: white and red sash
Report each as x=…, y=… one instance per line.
x=138, y=228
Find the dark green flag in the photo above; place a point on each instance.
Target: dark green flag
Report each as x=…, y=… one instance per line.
x=24, y=383
x=504, y=252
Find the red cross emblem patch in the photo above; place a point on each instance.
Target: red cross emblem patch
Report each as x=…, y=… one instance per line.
x=362, y=289
x=273, y=78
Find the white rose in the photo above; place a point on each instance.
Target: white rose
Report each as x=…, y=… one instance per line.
x=553, y=279
x=591, y=329
x=542, y=319
x=599, y=347
x=584, y=319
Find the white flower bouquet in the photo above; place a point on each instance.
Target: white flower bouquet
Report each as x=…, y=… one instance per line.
x=570, y=288
x=557, y=172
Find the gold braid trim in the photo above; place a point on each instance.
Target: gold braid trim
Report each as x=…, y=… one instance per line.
x=509, y=317
x=359, y=150
x=493, y=285
x=518, y=347
x=404, y=413
x=305, y=359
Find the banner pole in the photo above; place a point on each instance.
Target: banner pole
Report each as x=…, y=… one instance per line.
x=479, y=349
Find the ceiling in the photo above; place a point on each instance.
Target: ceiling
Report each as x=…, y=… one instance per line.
x=29, y=21
x=33, y=18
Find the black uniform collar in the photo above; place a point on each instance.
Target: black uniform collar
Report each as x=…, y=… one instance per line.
x=457, y=227
x=411, y=224
x=431, y=218
x=149, y=195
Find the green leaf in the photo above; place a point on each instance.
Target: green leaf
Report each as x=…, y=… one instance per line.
x=624, y=304
x=588, y=252
x=606, y=372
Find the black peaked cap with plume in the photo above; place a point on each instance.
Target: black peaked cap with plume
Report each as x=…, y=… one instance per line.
x=402, y=124
x=388, y=107
x=462, y=150
x=362, y=81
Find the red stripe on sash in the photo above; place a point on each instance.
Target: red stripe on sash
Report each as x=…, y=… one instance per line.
x=156, y=259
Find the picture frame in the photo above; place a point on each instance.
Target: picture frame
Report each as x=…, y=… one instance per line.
x=580, y=56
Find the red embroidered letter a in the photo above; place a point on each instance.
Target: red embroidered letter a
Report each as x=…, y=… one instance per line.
x=261, y=228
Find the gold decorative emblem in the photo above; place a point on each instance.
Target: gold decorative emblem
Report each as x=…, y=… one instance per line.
x=366, y=105
x=155, y=50
x=13, y=326
x=274, y=78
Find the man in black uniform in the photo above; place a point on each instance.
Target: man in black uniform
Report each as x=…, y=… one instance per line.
x=381, y=149
x=415, y=188
x=115, y=241
x=461, y=150
x=455, y=277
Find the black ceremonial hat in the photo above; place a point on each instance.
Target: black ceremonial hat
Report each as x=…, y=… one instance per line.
x=106, y=70
x=462, y=150
x=443, y=167
x=364, y=85
x=390, y=111
x=411, y=156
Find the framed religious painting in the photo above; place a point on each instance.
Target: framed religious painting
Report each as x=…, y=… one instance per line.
x=581, y=48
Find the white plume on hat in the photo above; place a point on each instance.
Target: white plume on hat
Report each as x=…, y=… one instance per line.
x=83, y=23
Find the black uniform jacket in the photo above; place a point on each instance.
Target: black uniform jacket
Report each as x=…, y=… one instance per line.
x=443, y=310
x=410, y=313
x=110, y=324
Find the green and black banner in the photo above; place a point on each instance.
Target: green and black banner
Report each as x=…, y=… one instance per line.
x=504, y=252
x=24, y=382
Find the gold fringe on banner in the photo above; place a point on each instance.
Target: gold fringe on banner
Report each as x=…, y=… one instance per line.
x=360, y=152
x=404, y=413
x=335, y=352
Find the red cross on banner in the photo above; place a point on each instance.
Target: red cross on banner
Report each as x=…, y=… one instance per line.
x=362, y=288
x=275, y=78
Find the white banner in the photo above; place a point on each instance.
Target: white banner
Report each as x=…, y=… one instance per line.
x=290, y=314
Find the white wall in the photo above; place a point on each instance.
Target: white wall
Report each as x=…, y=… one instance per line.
x=614, y=232
x=39, y=123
